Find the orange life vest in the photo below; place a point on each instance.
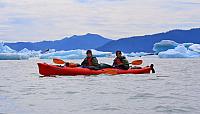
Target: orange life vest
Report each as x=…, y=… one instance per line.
x=118, y=61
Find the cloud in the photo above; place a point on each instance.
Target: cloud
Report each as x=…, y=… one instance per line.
x=33, y=20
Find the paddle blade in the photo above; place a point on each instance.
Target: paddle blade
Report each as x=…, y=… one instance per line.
x=137, y=62
x=58, y=61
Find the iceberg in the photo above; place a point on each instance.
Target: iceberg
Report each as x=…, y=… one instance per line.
x=25, y=50
x=5, y=49
x=6, y=53
x=187, y=45
x=179, y=52
x=195, y=48
x=100, y=53
x=138, y=54
x=13, y=56
x=164, y=45
x=30, y=53
x=73, y=54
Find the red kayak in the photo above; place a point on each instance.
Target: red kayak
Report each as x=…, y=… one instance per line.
x=50, y=70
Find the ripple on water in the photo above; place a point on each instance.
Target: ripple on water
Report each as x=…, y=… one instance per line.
x=170, y=109
x=54, y=98
x=142, y=96
x=107, y=109
x=102, y=93
x=71, y=92
x=167, y=97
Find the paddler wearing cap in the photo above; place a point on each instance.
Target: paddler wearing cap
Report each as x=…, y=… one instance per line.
x=90, y=60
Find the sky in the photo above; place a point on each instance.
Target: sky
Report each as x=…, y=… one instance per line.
x=37, y=20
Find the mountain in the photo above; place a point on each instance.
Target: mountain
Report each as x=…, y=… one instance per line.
x=88, y=41
x=94, y=41
x=145, y=43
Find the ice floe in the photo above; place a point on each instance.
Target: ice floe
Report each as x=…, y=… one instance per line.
x=164, y=45
x=138, y=54
x=5, y=48
x=6, y=53
x=30, y=53
x=13, y=56
x=179, y=52
x=195, y=48
x=74, y=54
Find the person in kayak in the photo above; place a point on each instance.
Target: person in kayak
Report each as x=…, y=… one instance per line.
x=120, y=61
x=90, y=61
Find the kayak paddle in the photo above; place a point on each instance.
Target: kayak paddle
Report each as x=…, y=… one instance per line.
x=136, y=62
x=58, y=61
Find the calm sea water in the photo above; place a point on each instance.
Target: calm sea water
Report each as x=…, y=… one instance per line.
x=175, y=88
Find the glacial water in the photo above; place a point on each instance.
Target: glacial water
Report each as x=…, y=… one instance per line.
x=174, y=89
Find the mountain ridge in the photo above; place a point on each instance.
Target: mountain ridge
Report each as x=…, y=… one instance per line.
x=145, y=43
x=87, y=41
x=94, y=41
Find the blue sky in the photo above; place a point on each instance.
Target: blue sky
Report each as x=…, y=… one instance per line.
x=36, y=20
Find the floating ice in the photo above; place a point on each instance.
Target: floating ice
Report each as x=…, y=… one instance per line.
x=6, y=53
x=25, y=50
x=164, y=45
x=30, y=53
x=5, y=48
x=138, y=54
x=13, y=56
x=100, y=53
x=179, y=52
x=195, y=48
x=187, y=45
x=73, y=54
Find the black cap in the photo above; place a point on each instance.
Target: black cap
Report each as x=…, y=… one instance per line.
x=118, y=52
x=89, y=51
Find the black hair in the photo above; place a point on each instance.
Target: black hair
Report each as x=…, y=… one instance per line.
x=118, y=52
x=89, y=51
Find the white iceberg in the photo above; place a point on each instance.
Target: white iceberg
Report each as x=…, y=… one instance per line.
x=138, y=54
x=187, y=45
x=5, y=48
x=195, y=48
x=164, y=45
x=30, y=53
x=13, y=56
x=25, y=50
x=179, y=52
x=73, y=54
x=100, y=53
x=6, y=53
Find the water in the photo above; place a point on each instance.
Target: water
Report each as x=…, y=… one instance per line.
x=174, y=89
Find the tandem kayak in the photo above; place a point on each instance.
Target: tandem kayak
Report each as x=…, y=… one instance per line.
x=50, y=70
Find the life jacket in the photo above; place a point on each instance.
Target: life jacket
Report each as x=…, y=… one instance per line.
x=118, y=61
x=89, y=61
